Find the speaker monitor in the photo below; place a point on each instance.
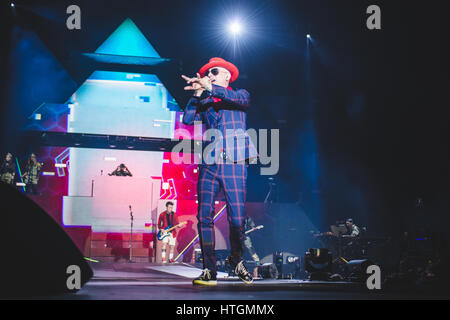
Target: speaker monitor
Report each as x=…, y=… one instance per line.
x=356, y=269
x=38, y=257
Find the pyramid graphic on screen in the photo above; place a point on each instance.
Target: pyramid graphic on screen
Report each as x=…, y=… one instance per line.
x=128, y=40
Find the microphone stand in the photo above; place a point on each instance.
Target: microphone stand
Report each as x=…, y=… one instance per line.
x=131, y=235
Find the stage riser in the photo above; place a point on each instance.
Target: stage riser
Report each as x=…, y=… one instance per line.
x=114, y=259
x=120, y=244
x=120, y=236
x=113, y=247
x=112, y=252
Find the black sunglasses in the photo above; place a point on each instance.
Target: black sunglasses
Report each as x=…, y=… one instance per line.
x=214, y=71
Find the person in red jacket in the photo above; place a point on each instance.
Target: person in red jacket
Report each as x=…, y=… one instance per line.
x=168, y=219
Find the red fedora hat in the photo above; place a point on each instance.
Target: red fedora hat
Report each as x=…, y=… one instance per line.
x=219, y=62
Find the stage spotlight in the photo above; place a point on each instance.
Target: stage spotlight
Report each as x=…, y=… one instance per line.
x=308, y=36
x=12, y=5
x=235, y=28
x=288, y=265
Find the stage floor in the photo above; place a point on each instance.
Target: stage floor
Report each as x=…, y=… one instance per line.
x=146, y=281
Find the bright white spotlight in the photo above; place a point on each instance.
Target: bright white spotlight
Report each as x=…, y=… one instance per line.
x=235, y=28
x=308, y=36
x=12, y=5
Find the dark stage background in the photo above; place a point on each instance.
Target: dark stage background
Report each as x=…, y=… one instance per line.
x=362, y=115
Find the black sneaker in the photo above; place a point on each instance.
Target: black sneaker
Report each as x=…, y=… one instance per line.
x=243, y=274
x=207, y=278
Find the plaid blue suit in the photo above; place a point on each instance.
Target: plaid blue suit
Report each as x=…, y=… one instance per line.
x=228, y=115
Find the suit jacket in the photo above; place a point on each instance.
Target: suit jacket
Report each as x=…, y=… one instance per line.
x=224, y=109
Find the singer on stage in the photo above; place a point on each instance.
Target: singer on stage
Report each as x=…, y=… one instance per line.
x=220, y=107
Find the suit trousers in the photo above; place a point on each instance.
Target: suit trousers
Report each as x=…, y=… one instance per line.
x=231, y=178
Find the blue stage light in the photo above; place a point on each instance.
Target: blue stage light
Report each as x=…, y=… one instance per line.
x=235, y=28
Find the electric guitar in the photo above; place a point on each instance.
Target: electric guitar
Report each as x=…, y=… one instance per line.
x=165, y=232
x=254, y=229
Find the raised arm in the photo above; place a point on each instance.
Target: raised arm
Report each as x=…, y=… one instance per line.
x=240, y=98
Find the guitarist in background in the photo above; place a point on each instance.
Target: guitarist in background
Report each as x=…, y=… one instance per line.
x=31, y=175
x=249, y=224
x=168, y=219
x=8, y=170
